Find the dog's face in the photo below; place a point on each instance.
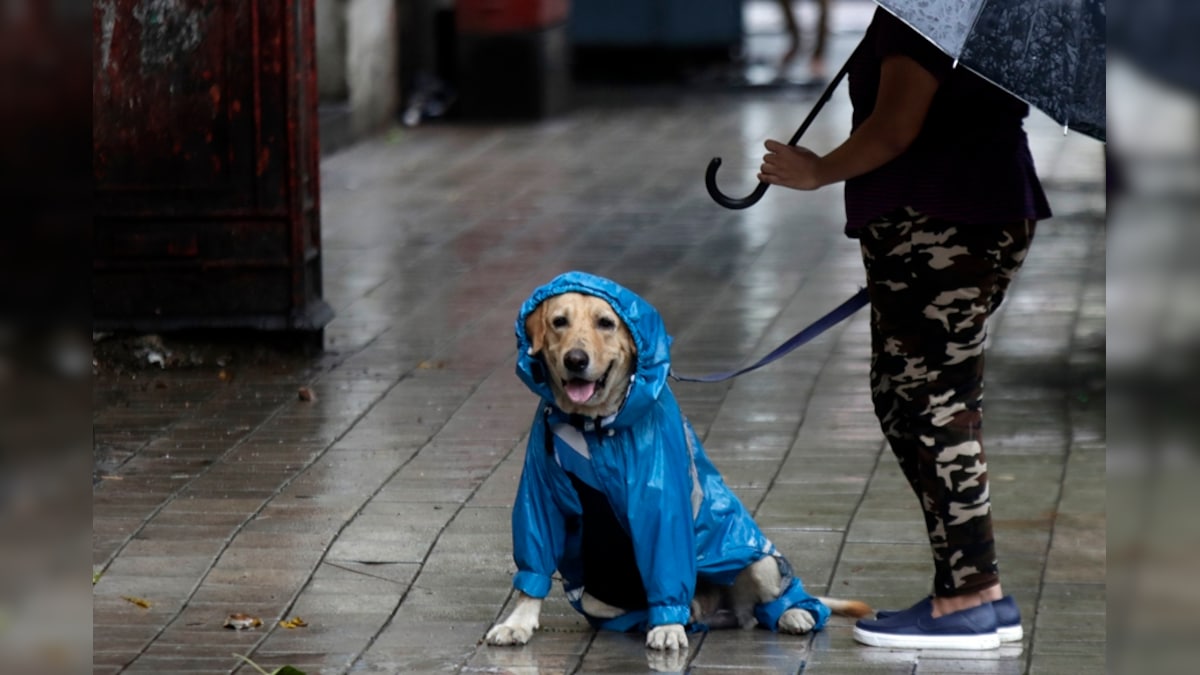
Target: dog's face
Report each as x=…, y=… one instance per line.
x=588, y=351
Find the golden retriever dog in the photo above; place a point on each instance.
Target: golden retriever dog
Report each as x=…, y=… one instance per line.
x=590, y=361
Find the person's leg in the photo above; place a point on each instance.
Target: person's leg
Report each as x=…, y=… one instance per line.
x=887, y=283
x=793, y=31
x=817, y=64
x=933, y=286
x=970, y=288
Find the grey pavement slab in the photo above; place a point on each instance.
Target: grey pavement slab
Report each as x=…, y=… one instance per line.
x=379, y=512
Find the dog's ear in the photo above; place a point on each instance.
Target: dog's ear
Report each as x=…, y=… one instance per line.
x=535, y=328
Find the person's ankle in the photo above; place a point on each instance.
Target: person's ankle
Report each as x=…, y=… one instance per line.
x=957, y=603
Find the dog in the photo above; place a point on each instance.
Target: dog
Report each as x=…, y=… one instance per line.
x=617, y=495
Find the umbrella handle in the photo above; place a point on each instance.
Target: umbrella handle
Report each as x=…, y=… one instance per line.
x=710, y=174
x=710, y=182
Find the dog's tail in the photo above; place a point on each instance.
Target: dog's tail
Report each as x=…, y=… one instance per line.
x=854, y=608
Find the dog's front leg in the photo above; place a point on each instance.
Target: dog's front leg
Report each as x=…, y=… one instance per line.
x=518, y=627
x=670, y=636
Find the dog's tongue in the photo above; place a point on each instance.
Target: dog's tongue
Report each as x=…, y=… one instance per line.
x=580, y=390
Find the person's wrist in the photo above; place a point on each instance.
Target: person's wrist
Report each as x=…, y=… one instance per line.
x=819, y=174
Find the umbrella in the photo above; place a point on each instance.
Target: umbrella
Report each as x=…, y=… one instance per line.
x=1048, y=53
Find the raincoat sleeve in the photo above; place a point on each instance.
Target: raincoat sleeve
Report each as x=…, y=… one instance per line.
x=659, y=510
x=538, y=524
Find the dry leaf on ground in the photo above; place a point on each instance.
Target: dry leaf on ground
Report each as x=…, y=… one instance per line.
x=140, y=602
x=241, y=621
x=294, y=622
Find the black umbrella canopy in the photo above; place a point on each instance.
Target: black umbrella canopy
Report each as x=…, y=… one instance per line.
x=1048, y=53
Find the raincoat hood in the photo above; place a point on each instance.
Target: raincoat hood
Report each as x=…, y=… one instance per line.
x=650, y=339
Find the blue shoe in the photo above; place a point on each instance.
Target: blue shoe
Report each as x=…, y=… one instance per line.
x=1008, y=616
x=973, y=629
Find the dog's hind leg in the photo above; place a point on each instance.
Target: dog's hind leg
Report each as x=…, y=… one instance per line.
x=763, y=582
x=758, y=583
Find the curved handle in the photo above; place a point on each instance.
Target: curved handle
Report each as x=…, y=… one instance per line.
x=710, y=182
x=710, y=174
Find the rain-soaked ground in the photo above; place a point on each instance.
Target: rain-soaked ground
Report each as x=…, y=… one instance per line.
x=366, y=490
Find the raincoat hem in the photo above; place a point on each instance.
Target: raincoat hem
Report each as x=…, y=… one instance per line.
x=662, y=615
x=532, y=584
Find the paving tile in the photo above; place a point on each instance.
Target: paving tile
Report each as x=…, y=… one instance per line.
x=312, y=603
x=1067, y=664
x=532, y=659
x=752, y=648
x=182, y=664
x=998, y=666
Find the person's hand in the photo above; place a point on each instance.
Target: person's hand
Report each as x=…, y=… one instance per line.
x=790, y=166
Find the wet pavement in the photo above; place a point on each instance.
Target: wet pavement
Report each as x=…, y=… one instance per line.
x=378, y=510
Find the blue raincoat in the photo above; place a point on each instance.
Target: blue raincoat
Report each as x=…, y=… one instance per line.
x=666, y=503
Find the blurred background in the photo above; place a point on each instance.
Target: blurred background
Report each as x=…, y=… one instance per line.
x=384, y=64
x=1153, y=330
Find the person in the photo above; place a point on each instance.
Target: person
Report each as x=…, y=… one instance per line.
x=816, y=63
x=942, y=193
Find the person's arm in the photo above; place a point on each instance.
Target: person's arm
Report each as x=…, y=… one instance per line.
x=905, y=92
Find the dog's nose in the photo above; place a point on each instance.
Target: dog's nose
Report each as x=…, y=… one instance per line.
x=576, y=360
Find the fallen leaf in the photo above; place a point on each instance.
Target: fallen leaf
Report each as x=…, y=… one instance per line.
x=284, y=670
x=431, y=365
x=241, y=621
x=307, y=394
x=96, y=576
x=140, y=602
x=294, y=622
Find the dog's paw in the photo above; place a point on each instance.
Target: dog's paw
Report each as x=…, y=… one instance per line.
x=503, y=634
x=672, y=636
x=796, y=621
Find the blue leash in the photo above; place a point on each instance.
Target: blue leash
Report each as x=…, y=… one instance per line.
x=819, y=326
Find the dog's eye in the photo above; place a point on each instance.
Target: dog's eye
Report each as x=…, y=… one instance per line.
x=606, y=323
x=559, y=322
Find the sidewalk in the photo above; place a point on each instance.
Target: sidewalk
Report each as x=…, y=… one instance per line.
x=378, y=511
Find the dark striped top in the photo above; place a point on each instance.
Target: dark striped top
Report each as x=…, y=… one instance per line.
x=971, y=161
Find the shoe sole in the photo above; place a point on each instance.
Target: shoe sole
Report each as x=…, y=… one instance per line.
x=964, y=642
x=1006, y=633
x=1010, y=633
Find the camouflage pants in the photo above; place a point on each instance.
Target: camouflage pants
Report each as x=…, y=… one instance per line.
x=933, y=286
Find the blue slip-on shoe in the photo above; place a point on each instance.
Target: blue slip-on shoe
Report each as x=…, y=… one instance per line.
x=1008, y=616
x=973, y=629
